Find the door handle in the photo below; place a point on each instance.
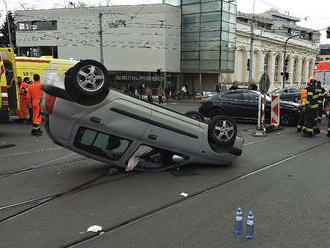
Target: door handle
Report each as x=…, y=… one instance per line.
x=153, y=137
x=96, y=120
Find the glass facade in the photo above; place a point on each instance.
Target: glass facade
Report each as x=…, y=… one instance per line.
x=208, y=36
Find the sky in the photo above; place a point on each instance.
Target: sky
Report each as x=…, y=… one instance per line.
x=313, y=14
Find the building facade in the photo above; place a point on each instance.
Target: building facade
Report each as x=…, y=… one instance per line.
x=324, y=54
x=271, y=30
x=136, y=40
x=196, y=43
x=190, y=41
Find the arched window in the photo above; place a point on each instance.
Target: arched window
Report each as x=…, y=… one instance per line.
x=310, y=69
x=294, y=76
x=302, y=78
x=266, y=63
x=277, y=60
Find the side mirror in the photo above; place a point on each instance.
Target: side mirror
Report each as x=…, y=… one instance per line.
x=177, y=159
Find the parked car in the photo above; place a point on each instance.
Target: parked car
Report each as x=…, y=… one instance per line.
x=243, y=105
x=84, y=115
x=289, y=94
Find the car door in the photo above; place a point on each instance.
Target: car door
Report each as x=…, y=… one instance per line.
x=250, y=107
x=233, y=103
x=174, y=132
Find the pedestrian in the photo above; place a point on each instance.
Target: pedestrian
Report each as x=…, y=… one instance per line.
x=302, y=114
x=309, y=129
x=234, y=86
x=218, y=88
x=160, y=94
x=321, y=93
x=34, y=95
x=141, y=91
x=149, y=94
x=23, y=113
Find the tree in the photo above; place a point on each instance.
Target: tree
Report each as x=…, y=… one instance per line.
x=4, y=37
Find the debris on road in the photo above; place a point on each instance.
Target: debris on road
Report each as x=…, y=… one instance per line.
x=184, y=194
x=94, y=229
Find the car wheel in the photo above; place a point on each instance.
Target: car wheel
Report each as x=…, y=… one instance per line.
x=216, y=112
x=87, y=78
x=195, y=115
x=285, y=119
x=222, y=130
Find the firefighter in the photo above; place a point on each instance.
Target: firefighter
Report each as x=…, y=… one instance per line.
x=303, y=100
x=34, y=95
x=311, y=106
x=327, y=107
x=23, y=113
x=321, y=93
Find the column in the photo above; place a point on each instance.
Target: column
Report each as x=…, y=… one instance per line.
x=299, y=68
x=271, y=69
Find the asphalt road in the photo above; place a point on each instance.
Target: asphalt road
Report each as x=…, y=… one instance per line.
x=50, y=196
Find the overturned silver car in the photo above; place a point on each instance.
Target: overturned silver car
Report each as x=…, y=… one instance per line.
x=85, y=116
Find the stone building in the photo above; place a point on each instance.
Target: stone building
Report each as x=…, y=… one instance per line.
x=271, y=30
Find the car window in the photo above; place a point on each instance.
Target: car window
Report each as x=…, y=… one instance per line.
x=101, y=144
x=235, y=95
x=250, y=96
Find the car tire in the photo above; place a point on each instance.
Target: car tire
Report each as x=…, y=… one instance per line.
x=216, y=112
x=286, y=119
x=88, y=78
x=222, y=130
x=195, y=115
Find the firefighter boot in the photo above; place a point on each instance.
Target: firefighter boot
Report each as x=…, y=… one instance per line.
x=39, y=132
x=34, y=132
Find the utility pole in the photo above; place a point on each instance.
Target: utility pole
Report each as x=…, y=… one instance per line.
x=251, y=46
x=251, y=54
x=101, y=39
x=284, y=59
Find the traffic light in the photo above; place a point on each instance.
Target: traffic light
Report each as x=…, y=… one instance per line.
x=248, y=64
x=286, y=63
x=286, y=75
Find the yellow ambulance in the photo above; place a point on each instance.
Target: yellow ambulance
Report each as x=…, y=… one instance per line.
x=13, y=66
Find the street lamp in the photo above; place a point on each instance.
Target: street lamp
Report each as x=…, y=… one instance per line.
x=8, y=23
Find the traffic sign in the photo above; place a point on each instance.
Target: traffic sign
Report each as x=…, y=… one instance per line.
x=264, y=83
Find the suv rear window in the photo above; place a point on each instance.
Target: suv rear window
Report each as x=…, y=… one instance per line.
x=101, y=144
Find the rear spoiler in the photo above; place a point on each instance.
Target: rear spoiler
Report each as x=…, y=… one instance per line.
x=57, y=92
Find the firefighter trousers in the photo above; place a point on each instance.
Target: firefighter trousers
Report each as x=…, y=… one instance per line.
x=301, y=120
x=308, y=128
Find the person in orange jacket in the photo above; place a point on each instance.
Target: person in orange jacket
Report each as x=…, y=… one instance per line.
x=34, y=95
x=23, y=113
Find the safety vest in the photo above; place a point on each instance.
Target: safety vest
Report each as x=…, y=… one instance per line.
x=34, y=92
x=303, y=97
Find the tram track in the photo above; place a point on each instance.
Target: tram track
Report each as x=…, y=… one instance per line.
x=39, y=201
x=138, y=218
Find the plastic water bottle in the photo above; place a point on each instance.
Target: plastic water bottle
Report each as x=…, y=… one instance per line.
x=239, y=222
x=250, y=226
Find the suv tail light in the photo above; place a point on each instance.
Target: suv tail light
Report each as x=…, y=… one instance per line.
x=4, y=97
x=49, y=103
